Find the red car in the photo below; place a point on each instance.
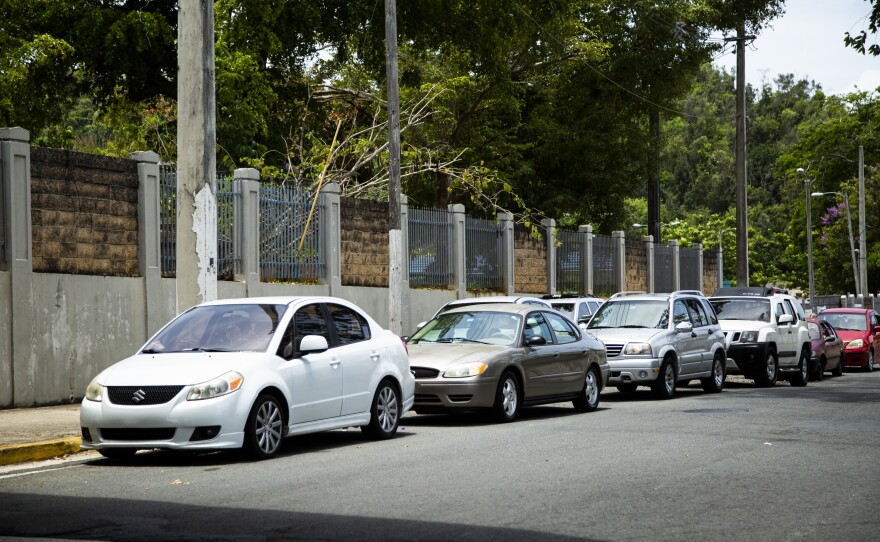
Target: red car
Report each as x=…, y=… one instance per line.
x=827, y=349
x=859, y=329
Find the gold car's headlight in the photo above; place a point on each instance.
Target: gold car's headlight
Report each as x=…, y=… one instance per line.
x=95, y=391
x=466, y=369
x=221, y=385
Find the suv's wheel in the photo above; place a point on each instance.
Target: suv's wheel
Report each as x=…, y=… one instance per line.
x=664, y=386
x=801, y=377
x=766, y=376
x=715, y=383
x=588, y=400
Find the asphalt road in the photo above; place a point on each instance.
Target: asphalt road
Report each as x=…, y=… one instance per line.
x=747, y=464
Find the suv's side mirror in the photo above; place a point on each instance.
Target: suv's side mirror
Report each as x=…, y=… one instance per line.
x=313, y=344
x=785, y=319
x=684, y=327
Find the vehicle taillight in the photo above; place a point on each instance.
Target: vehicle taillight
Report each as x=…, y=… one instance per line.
x=404, y=346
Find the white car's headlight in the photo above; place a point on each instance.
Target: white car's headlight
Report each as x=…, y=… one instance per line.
x=637, y=349
x=466, y=369
x=95, y=391
x=221, y=385
x=748, y=337
x=858, y=343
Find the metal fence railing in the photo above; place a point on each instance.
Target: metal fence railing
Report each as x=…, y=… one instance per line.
x=663, y=279
x=689, y=268
x=483, y=253
x=168, y=219
x=569, y=275
x=226, y=202
x=603, y=265
x=429, y=251
x=290, y=247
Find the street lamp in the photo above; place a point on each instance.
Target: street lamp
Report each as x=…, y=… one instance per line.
x=807, y=182
x=852, y=247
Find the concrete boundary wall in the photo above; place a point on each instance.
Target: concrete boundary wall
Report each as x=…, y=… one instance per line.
x=57, y=331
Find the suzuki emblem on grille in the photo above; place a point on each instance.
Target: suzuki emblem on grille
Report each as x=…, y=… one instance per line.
x=139, y=396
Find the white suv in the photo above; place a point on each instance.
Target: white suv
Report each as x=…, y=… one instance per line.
x=659, y=340
x=766, y=334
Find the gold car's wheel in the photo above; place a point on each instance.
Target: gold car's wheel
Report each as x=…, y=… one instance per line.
x=507, y=398
x=588, y=400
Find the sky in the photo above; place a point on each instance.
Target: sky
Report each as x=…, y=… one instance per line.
x=808, y=42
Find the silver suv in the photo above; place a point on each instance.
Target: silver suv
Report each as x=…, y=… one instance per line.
x=766, y=334
x=659, y=340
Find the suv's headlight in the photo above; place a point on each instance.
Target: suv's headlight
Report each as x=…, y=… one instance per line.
x=748, y=337
x=95, y=391
x=637, y=349
x=221, y=385
x=858, y=343
x=466, y=369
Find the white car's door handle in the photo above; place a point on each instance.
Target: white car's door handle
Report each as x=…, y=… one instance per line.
x=374, y=356
x=334, y=364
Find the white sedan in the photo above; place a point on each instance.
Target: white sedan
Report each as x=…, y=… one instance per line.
x=244, y=373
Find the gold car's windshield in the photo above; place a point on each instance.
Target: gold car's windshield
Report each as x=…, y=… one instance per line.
x=498, y=328
x=219, y=328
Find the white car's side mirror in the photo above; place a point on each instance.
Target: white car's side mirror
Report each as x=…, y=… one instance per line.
x=313, y=344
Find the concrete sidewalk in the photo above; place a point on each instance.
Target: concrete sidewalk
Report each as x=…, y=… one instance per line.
x=31, y=434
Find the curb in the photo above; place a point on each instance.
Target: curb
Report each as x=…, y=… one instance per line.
x=35, y=451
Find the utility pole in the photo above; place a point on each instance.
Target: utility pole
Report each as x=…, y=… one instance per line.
x=196, y=156
x=863, y=250
x=654, y=177
x=742, y=212
x=395, y=235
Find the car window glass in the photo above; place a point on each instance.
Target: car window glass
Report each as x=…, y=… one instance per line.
x=223, y=327
x=710, y=312
x=780, y=310
x=696, y=312
x=307, y=320
x=827, y=330
x=679, y=313
x=875, y=319
x=565, y=333
x=500, y=328
x=583, y=311
x=632, y=314
x=536, y=325
x=799, y=310
x=350, y=326
x=790, y=310
x=814, y=331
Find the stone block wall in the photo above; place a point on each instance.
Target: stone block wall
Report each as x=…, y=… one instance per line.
x=84, y=213
x=529, y=261
x=364, y=245
x=636, y=266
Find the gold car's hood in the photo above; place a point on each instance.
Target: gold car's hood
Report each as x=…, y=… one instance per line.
x=442, y=356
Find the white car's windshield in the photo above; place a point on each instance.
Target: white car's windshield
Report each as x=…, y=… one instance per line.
x=219, y=328
x=497, y=328
x=632, y=314
x=742, y=309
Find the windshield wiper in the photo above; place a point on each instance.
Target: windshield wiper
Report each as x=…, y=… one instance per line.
x=473, y=341
x=153, y=351
x=634, y=326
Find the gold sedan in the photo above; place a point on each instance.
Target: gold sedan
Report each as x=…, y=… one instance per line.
x=501, y=357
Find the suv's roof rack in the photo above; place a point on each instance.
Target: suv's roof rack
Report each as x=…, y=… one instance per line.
x=568, y=295
x=757, y=291
x=687, y=292
x=626, y=293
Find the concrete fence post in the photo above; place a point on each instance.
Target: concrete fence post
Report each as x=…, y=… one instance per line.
x=648, y=241
x=699, y=248
x=505, y=225
x=331, y=238
x=18, y=364
x=676, y=265
x=246, y=242
x=549, y=226
x=404, y=271
x=149, y=257
x=720, y=260
x=586, y=259
x=619, y=239
x=458, y=249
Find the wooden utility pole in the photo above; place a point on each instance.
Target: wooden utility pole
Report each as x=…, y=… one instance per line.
x=742, y=206
x=654, y=178
x=196, y=156
x=863, y=249
x=395, y=235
